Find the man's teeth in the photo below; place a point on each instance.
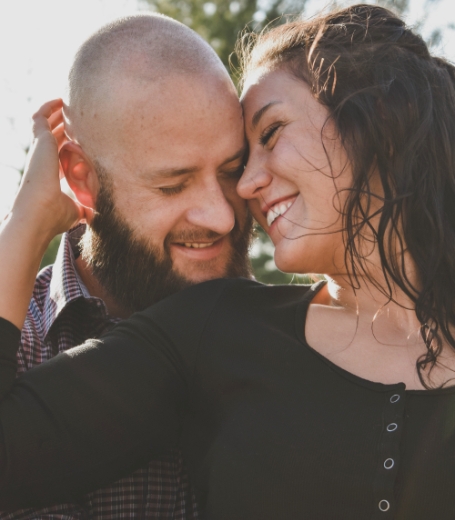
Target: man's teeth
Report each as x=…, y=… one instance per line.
x=197, y=245
x=276, y=211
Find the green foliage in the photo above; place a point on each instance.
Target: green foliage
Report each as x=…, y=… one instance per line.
x=264, y=267
x=220, y=22
x=51, y=252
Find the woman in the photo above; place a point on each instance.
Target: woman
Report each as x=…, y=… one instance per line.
x=330, y=401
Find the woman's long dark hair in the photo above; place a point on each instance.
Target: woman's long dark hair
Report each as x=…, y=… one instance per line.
x=394, y=107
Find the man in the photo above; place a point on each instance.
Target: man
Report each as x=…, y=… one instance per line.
x=155, y=149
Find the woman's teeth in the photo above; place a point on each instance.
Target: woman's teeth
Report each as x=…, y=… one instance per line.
x=276, y=211
x=197, y=245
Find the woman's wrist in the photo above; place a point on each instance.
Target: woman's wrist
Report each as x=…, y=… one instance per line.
x=33, y=235
x=23, y=242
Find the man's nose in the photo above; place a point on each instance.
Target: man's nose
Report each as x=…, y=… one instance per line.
x=212, y=210
x=254, y=178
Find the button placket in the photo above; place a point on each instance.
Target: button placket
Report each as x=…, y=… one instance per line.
x=388, y=454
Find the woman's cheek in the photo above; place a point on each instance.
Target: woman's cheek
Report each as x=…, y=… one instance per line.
x=285, y=160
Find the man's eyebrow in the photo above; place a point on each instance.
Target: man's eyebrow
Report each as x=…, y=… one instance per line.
x=168, y=173
x=238, y=155
x=257, y=116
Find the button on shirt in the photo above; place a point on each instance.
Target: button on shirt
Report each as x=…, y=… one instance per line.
x=62, y=314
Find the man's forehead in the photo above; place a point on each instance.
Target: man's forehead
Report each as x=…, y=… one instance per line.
x=173, y=170
x=182, y=117
x=166, y=99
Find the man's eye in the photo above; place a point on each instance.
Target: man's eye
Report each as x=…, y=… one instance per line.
x=172, y=190
x=268, y=133
x=235, y=174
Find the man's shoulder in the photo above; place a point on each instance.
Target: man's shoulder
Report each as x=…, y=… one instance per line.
x=56, y=286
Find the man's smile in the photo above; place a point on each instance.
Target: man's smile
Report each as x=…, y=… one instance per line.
x=198, y=245
x=201, y=250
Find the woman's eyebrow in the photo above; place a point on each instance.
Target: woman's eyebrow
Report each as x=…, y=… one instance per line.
x=257, y=116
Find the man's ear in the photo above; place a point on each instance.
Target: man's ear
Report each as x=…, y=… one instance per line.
x=80, y=173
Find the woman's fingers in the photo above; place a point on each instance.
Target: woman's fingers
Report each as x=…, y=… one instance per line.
x=41, y=117
x=40, y=197
x=55, y=119
x=48, y=108
x=59, y=133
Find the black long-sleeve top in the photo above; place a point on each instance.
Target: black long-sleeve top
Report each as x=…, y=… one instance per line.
x=270, y=428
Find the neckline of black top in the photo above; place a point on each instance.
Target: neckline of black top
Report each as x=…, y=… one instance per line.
x=301, y=314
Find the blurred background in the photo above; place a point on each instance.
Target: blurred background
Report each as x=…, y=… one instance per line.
x=38, y=39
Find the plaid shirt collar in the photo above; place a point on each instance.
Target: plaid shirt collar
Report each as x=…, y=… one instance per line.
x=66, y=286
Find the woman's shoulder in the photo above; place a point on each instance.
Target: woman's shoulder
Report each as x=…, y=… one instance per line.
x=190, y=309
x=233, y=296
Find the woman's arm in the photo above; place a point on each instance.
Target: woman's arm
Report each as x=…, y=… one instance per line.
x=96, y=412
x=41, y=211
x=89, y=416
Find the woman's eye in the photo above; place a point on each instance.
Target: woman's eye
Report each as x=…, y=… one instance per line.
x=172, y=190
x=268, y=133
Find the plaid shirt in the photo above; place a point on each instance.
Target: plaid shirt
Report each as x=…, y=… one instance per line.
x=62, y=314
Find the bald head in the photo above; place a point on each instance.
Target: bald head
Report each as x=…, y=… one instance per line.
x=136, y=53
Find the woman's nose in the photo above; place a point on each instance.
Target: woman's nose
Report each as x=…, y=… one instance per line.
x=254, y=178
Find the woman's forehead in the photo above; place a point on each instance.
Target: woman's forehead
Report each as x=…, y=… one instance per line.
x=275, y=87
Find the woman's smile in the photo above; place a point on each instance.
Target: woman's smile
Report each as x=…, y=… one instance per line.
x=277, y=209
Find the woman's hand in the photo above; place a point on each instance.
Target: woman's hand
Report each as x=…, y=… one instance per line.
x=40, y=211
x=40, y=198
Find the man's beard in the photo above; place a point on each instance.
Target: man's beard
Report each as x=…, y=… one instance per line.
x=137, y=274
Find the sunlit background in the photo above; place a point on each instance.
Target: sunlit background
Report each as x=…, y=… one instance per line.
x=38, y=39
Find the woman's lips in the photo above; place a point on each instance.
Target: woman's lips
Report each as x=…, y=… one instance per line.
x=278, y=209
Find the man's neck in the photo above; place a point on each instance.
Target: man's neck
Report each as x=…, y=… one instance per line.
x=97, y=290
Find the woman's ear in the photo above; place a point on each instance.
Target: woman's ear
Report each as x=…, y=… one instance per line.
x=80, y=173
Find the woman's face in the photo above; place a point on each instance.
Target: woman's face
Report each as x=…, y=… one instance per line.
x=297, y=173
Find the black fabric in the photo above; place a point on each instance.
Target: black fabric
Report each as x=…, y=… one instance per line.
x=270, y=428
x=11, y=337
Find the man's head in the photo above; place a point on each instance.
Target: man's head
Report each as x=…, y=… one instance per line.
x=157, y=148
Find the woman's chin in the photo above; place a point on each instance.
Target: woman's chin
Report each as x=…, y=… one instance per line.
x=288, y=265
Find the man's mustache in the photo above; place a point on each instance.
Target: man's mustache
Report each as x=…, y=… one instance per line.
x=193, y=235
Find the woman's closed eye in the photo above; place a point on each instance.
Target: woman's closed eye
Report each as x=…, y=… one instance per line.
x=268, y=133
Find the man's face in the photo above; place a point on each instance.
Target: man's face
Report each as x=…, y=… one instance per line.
x=168, y=211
